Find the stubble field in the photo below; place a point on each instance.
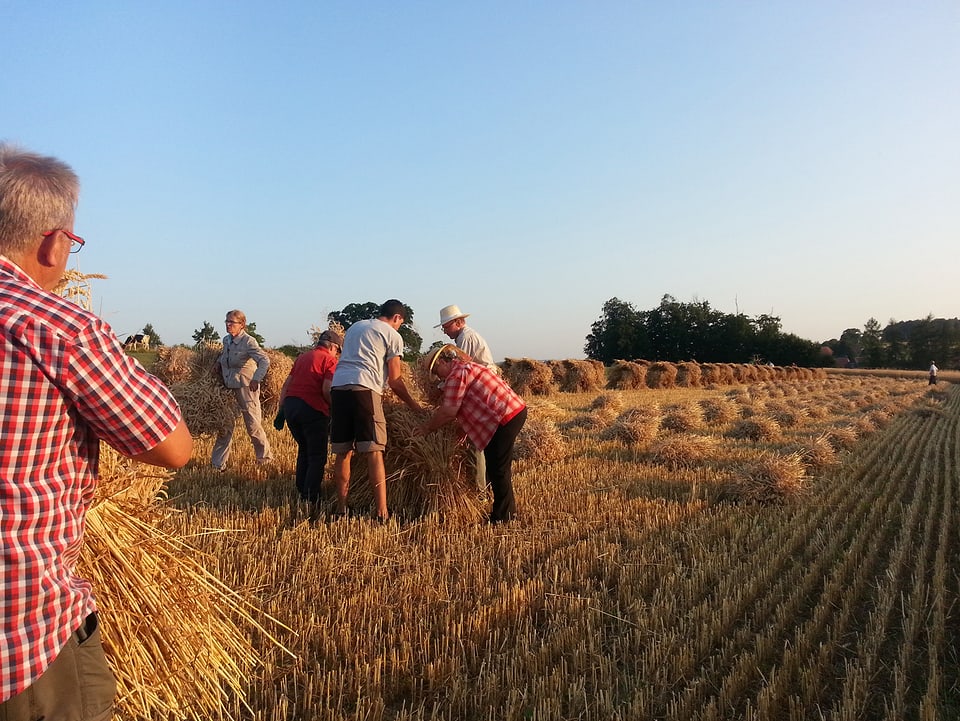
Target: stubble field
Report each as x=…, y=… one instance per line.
x=777, y=550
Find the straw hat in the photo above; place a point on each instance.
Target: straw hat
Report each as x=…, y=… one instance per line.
x=451, y=312
x=429, y=360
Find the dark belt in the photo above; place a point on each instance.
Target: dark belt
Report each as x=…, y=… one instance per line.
x=88, y=628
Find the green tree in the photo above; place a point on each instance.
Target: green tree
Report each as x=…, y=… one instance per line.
x=154, y=337
x=872, y=343
x=207, y=334
x=619, y=334
x=251, y=330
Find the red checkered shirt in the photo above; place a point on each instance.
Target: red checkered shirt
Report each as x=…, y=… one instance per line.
x=65, y=385
x=483, y=400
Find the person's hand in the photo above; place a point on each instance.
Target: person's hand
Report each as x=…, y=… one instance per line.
x=279, y=420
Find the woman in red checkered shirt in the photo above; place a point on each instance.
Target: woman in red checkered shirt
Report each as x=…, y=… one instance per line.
x=489, y=412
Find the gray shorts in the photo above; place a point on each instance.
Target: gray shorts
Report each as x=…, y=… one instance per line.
x=357, y=422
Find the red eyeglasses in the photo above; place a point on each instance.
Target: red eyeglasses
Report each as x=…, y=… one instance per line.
x=76, y=242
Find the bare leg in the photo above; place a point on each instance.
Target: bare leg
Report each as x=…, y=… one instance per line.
x=341, y=478
x=378, y=481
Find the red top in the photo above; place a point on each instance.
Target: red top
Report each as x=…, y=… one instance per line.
x=65, y=385
x=307, y=376
x=483, y=400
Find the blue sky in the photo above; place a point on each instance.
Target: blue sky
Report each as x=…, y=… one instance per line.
x=524, y=160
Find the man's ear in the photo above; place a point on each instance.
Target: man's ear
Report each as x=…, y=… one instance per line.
x=50, y=250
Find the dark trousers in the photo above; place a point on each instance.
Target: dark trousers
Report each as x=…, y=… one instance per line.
x=311, y=430
x=77, y=686
x=499, y=457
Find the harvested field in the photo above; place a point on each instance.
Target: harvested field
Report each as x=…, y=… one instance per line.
x=754, y=576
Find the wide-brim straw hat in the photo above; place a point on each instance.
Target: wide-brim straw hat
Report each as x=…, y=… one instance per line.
x=449, y=313
x=430, y=359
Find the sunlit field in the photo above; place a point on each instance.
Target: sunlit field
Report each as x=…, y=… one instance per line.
x=777, y=550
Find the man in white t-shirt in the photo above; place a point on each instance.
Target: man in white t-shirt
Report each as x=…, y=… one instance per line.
x=371, y=360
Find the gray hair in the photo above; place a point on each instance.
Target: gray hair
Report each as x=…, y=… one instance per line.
x=37, y=194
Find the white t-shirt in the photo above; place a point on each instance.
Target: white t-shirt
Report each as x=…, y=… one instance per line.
x=367, y=347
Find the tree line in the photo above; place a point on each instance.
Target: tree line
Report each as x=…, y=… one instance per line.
x=694, y=331
x=901, y=344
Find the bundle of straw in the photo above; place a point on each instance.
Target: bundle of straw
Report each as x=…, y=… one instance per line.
x=528, y=377
x=688, y=374
x=174, y=364
x=581, y=375
x=425, y=474
x=178, y=639
x=662, y=375
x=280, y=366
x=541, y=441
x=635, y=426
x=769, y=479
x=627, y=375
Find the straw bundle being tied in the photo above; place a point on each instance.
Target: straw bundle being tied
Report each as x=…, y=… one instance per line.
x=178, y=639
x=425, y=474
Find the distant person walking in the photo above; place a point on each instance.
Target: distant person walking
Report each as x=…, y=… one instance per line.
x=305, y=403
x=933, y=373
x=243, y=365
x=372, y=359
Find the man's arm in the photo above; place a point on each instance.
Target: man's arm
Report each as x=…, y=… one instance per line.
x=172, y=452
x=395, y=381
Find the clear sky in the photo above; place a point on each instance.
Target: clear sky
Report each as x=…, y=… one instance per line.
x=525, y=160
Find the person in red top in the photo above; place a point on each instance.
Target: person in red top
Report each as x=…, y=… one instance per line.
x=489, y=412
x=65, y=386
x=305, y=403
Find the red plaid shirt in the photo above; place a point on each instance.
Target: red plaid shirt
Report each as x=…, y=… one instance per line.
x=483, y=400
x=65, y=385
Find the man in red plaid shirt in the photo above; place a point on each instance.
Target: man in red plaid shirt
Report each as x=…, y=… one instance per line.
x=489, y=412
x=65, y=385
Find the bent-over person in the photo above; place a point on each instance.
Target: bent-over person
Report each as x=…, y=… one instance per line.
x=490, y=413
